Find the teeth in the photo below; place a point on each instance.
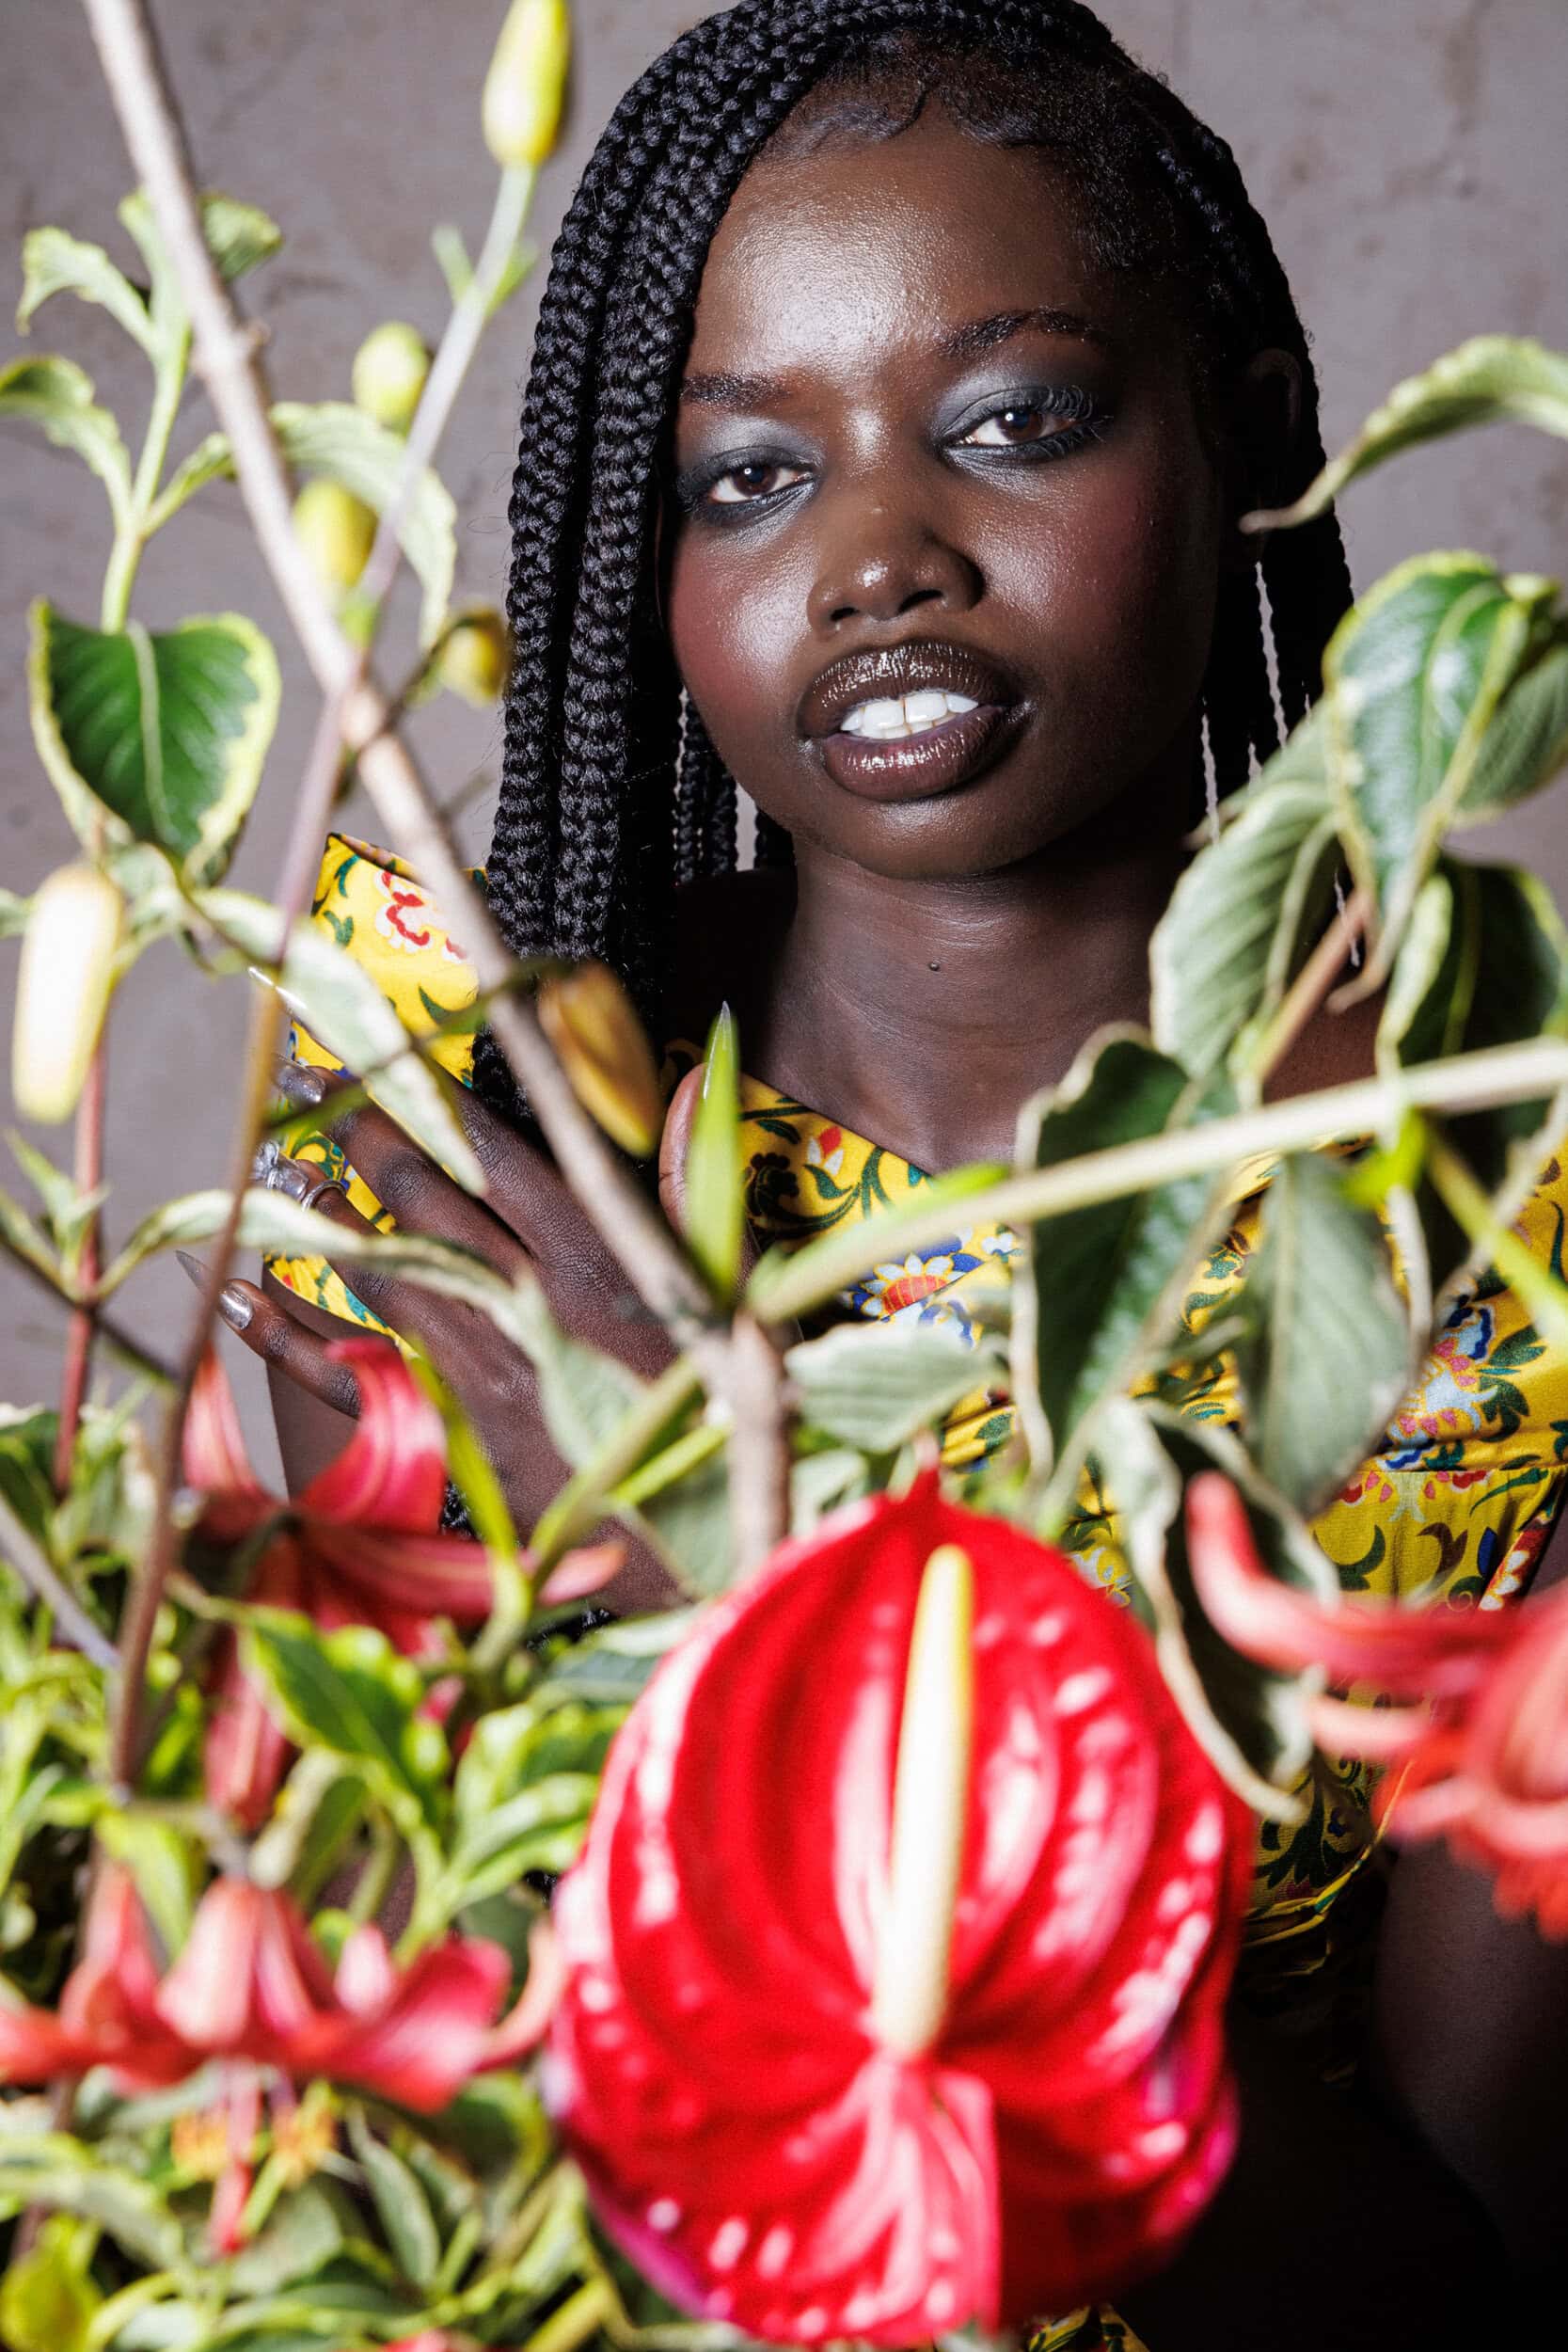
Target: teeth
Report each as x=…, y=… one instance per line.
x=888, y=719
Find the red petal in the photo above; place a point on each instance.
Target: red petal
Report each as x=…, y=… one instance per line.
x=431, y=1576
x=586, y=1571
x=216, y=1459
x=1409, y=1652
x=392, y=1473
x=244, y=1749
x=712, y=2061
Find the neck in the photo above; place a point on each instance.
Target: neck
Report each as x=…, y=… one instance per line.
x=923, y=1013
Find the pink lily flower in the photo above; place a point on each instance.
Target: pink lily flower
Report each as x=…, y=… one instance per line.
x=362, y=1545
x=251, y=1986
x=1482, y=1730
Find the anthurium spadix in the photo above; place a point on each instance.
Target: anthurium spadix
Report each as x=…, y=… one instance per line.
x=897, y=1953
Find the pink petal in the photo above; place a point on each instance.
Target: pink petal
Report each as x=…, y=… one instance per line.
x=207, y=1996
x=392, y=1473
x=586, y=1571
x=447, y=1576
x=529, y=2016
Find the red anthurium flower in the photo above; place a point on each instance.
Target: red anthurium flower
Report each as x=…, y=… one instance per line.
x=361, y=1544
x=1484, y=1746
x=897, y=1952
x=251, y=1985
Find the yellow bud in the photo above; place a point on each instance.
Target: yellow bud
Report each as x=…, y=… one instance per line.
x=603, y=1050
x=62, y=991
x=476, y=657
x=526, y=86
x=388, y=373
x=338, y=531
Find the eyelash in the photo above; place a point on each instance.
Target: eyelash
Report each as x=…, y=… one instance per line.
x=1084, y=422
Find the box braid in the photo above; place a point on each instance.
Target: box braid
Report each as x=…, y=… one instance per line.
x=611, y=790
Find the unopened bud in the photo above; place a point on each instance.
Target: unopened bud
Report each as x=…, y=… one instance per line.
x=604, y=1049
x=476, y=657
x=526, y=87
x=67, y=969
x=337, y=531
x=388, y=374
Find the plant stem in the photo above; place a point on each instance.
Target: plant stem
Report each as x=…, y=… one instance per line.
x=1464, y=1082
x=46, y=1585
x=581, y=1502
x=759, y=1444
x=140, y=1358
x=1311, y=984
x=168, y=389
x=88, y=1172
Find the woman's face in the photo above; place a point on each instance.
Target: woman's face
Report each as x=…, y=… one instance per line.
x=926, y=450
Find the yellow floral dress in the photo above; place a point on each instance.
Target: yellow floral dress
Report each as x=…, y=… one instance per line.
x=1455, y=1505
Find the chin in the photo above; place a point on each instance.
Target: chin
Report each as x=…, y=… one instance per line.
x=988, y=828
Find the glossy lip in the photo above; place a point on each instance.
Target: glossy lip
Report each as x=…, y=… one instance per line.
x=915, y=767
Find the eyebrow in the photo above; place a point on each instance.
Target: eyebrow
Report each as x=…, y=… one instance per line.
x=982, y=334
x=749, y=393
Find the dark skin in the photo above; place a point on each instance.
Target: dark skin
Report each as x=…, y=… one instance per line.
x=856, y=280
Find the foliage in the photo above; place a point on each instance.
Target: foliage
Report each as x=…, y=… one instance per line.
x=461, y=1768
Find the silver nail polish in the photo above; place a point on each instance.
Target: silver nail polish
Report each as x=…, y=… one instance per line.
x=234, y=1307
x=266, y=1160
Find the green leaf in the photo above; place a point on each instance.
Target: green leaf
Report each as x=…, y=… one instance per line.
x=715, y=1166
x=1414, y=676
x=400, y=2202
x=820, y=1483
x=876, y=1387
x=47, y=2297
x=1484, y=963
x=611, y=1666
x=64, y=2175
x=55, y=262
x=349, y=1692
x=13, y=913
x=300, y=2239
x=161, y=738
x=58, y=396
x=451, y=253
x=1095, y=1288
x=1240, y=922
x=1326, y=1349
x=238, y=236
x=1486, y=380
x=688, y=1522
x=1250, y=1722
x=164, y=1864
x=340, y=442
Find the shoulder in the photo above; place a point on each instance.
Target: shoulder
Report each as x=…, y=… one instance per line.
x=727, y=932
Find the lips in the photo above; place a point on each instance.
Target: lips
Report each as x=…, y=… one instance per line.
x=915, y=767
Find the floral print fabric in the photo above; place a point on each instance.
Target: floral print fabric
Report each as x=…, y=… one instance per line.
x=1454, y=1505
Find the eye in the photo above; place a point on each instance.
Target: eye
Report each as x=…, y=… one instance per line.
x=744, y=485
x=1010, y=428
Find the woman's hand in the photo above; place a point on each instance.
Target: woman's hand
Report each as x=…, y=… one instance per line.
x=529, y=1221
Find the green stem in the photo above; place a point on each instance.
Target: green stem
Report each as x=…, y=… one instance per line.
x=781, y=1290
x=1466, y=1203
x=169, y=388
x=583, y=1501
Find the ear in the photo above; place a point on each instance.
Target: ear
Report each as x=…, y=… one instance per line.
x=1262, y=426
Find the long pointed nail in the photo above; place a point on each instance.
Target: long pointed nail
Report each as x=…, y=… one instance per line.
x=300, y=1084
x=234, y=1306
x=193, y=1267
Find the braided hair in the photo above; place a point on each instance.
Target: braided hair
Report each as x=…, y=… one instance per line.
x=611, y=791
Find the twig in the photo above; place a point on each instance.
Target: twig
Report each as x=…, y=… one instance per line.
x=1313, y=983
x=759, y=1444
x=113, y=1335
x=87, y=1171
x=45, y=1584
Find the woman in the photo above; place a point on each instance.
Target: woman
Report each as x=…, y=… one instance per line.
x=904, y=371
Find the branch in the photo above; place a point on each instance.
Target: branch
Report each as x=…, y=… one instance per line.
x=1345, y=1114
x=46, y=1585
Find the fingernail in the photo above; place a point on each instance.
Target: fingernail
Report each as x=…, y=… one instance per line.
x=193, y=1267
x=301, y=1084
x=234, y=1307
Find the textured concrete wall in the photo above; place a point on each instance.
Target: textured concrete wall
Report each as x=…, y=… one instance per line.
x=1403, y=150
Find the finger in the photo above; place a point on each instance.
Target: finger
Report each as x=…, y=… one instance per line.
x=439, y=1325
x=674, y=1151
x=524, y=1196
x=271, y=1332
x=419, y=1196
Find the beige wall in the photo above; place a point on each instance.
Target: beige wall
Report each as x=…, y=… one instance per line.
x=1407, y=153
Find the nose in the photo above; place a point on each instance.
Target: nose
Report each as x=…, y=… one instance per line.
x=880, y=561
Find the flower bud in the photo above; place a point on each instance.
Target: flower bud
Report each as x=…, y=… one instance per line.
x=67, y=968
x=388, y=374
x=526, y=86
x=603, y=1050
x=337, y=531
x=476, y=657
